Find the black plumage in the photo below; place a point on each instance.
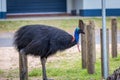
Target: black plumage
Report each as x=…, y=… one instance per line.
x=43, y=41
x=115, y=75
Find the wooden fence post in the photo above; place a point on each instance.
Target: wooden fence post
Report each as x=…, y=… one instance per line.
x=91, y=48
x=92, y=23
x=23, y=68
x=102, y=61
x=83, y=44
x=114, y=37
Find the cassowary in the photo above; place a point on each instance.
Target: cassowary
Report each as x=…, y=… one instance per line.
x=43, y=41
x=115, y=75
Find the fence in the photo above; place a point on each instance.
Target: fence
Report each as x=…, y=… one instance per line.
x=88, y=46
x=114, y=37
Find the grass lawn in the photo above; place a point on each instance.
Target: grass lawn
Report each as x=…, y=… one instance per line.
x=64, y=66
x=66, y=24
x=70, y=69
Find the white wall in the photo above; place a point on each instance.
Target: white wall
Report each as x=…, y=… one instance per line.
x=96, y=4
x=78, y=5
x=69, y=6
x=3, y=6
x=113, y=3
x=91, y=4
x=74, y=5
x=0, y=5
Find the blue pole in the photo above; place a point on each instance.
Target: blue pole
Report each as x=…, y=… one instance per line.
x=105, y=66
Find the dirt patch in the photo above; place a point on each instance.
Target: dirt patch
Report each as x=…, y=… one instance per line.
x=9, y=58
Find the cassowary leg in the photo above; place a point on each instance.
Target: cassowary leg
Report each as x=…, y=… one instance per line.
x=43, y=62
x=23, y=65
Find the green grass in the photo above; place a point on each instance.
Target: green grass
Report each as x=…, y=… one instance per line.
x=67, y=73
x=14, y=25
x=12, y=73
x=70, y=69
x=1, y=71
x=65, y=66
x=114, y=63
x=66, y=24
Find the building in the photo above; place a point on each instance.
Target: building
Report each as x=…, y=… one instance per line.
x=75, y=7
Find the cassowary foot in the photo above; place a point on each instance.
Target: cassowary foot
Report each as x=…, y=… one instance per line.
x=24, y=72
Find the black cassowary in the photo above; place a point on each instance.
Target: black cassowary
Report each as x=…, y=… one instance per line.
x=115, y=75
x=43, y=41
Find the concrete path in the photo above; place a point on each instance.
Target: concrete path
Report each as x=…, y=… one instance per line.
x=43, y=18
x=6, y=39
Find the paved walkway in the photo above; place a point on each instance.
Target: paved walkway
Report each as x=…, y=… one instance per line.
x=6, y=39
x=42, y=18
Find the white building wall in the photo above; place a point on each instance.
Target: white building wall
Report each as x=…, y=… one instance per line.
x=94, y=7
x=74, y=5
x=69, y=6
x=4, y=9
x=78, y=5
x=113, y=4
x=0, y=5
x=96, y=4
x=91, y=4
x=3, y=6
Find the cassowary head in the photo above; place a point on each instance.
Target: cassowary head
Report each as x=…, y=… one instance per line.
x=76, y=34
x=75, y=39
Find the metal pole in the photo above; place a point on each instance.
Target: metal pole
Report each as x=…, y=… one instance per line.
x=105, y=66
